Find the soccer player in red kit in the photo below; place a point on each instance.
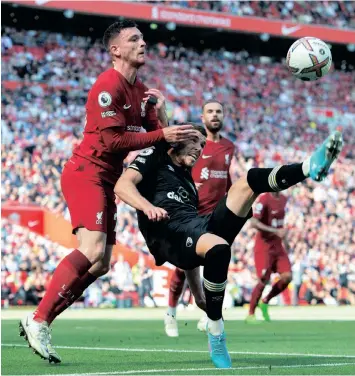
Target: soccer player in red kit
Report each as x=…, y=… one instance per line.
x=212, y=179
x=119, y=105
x=269, y=253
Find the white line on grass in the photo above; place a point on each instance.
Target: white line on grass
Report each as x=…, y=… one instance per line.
x=210, y=369
x=124, y=349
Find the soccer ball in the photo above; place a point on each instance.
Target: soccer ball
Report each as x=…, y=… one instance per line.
x=309, y=59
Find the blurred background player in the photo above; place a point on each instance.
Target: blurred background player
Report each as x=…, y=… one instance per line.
x=269, y=253
x=117, y=109
x=212, y=179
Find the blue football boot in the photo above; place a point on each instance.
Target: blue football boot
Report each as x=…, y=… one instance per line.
x=321, y=160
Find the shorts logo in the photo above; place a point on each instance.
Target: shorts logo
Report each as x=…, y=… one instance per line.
x=105, y=99
x=205, y=173
x=99, y=218
x=189, y=242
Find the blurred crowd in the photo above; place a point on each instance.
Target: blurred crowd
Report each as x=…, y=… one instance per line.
x=29, y=259
x=336, y=13
x=45, y=80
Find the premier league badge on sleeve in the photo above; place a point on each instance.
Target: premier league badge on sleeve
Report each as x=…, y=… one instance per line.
x=143, y=104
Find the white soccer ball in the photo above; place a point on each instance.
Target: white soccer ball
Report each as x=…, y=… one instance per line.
x=309, y=59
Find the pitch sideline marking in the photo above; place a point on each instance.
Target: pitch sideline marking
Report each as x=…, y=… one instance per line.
x=187, y=351
x=196, y=369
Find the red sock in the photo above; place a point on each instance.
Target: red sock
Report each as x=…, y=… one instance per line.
x=176, y=285
x=255, y=296
x=65, y=278
x=85, y=281
x=276, y=289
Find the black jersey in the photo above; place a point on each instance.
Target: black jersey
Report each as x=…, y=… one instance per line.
x=165, y=184
x=171, y=187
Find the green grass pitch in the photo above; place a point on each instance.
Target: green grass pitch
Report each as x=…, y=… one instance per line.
x=113, y=347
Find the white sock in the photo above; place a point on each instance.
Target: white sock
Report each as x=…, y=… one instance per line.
x=306, y=166
x=172, y=311
x=215, y=327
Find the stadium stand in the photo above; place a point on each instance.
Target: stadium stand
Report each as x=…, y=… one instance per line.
x=45, y=80
x=335, y=13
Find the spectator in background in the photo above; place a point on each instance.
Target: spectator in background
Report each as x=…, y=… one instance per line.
x=144, y=281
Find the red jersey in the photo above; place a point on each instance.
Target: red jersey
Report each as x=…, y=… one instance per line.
x=270, y=211
x=114, y=103
x=212, y=172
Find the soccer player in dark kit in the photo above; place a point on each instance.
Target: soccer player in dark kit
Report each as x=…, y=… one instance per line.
x=159, y=185
x=212, y=180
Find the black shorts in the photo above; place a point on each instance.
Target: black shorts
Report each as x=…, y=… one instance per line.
x=178, y=244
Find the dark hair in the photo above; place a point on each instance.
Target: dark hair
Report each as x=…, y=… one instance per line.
x=113, y=30
x=211, y=101
x=197, y=127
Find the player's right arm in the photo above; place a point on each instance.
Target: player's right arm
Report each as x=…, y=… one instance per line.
x=126, y=187
x=256, y=223
x=105, y=109
x=260, y=212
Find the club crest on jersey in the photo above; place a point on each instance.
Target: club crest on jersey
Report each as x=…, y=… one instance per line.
x=143, y=104
x=105, y=99
x=227, y=158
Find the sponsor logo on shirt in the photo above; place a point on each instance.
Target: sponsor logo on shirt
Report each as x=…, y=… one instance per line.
x=213, y=174
x=182, y=193
x=174, y=196
x=108, y=114
x=133, y=128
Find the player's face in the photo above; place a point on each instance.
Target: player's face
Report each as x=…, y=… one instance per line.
x=130, y=47
x=192, y=150
x=212, y=117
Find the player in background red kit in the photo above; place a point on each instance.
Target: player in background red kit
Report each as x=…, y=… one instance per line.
x=212, y=179
x=118, y=107
x=269, y=253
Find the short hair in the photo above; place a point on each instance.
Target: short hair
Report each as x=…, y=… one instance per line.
x=211, y=101
x=113, y=30
x=198, y=127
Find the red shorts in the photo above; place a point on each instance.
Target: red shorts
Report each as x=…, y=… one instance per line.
x=271, y=261
x=90, y=199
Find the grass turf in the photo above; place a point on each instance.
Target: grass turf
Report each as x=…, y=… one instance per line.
x=253, y=343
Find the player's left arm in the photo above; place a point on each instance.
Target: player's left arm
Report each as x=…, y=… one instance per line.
x=126, y=187
x=156, y=116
